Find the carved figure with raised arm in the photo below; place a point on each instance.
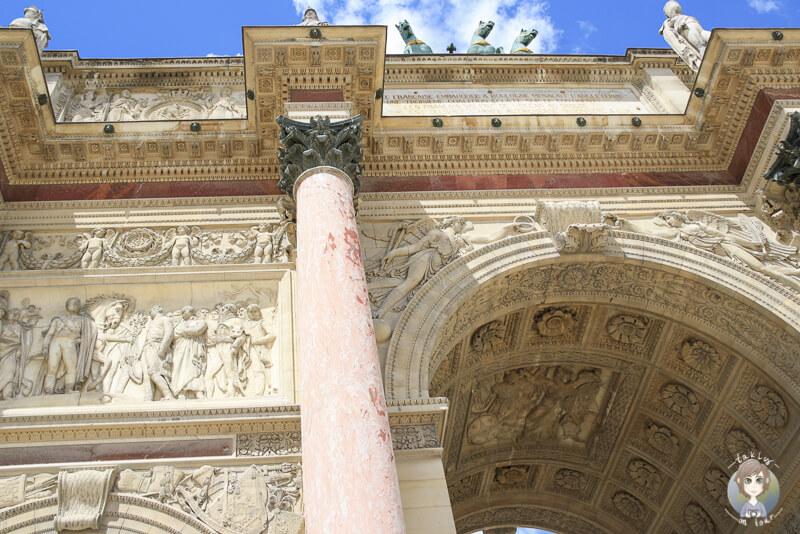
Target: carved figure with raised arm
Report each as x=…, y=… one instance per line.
x=479, y=45
x=11, y=246
x=223, y=106
x=742, y=240
x=520, y=45
x=413, y=45
x=416, y=252
x=34, y=20
x=89, y=107
x=158, y=339
x=189, y=355
x=685, y=35
x=115, y=341
x=69, y=345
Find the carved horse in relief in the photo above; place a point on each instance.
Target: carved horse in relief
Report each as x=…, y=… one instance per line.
x=413, y=45
x=479, y=45
x=521, y=43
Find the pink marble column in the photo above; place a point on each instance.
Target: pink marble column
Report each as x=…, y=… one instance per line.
x=349, y=475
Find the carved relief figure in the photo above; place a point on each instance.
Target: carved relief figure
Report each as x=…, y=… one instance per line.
x=34, y=20
x=413, y=45
x=263, y=234
x=15, y=346
x=522, y=41
x=158, y=339
x=479, y=45
x=229, y=342
x=181, y=241
x=114, y=341
x=124, y=107
x=416, y=252
x=546, y=403
x=189, y=355
x=685, y=35
x=69, y=345
x=11, y=246
x=89, y=107
x=741, y=240
x=93, y=245
x=223, y=107
x=261, y=342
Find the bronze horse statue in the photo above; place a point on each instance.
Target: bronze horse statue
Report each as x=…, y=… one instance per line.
x=521, y=43
x=413, y=45
x=479, y=44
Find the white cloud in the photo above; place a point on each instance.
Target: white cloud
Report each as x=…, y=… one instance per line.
x=587, y=27
x=764, y=6
x=440, y=22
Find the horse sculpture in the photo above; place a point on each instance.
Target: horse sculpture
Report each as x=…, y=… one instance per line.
x=521, y=43
x=479, y=44
x=413, y=45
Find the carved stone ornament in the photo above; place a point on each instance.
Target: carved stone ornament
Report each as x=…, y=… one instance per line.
x=317, y=143
x=511, y=475
x=739, y=442
x=662, y=439
x=680, y=399
x=489, y=336
x=685, y=35
x=34, y=20
x=699, y=356
x=82, y=495
x=629, y=329
x=644, y=474
x=574, y=226
x=571, y=480
x=716, y=483
x=628, y=505
x=768, y=406
x=698, y=519
x=554, y=322
x=268, y=444
x=410, y=437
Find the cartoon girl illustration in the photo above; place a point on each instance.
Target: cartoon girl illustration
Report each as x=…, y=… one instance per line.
x=753, y=479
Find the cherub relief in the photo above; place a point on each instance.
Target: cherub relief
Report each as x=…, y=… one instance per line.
x=11, y=246
x=180, y=241
x=93, y=245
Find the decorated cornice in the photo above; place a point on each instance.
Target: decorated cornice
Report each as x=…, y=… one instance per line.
x=46, y=159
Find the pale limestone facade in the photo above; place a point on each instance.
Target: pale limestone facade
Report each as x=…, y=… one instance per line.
x=555, y=354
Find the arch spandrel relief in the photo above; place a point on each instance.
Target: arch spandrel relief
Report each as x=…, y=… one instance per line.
x=207, y=499
x=143, y=342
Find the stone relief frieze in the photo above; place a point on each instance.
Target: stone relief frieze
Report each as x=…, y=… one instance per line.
x=230, y=500
x=255, y=499
x=144, y=247
x=172, y=104
x=268, y=443
x=743, y=240
x=106, y=347
x=574, y=226
x=561, y=403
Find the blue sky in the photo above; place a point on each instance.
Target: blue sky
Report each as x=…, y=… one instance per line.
x=148, y=28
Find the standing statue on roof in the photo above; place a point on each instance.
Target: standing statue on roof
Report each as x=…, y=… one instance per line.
x=34, y=20
x=310, y=18
x=413, y=45
x=685, y=35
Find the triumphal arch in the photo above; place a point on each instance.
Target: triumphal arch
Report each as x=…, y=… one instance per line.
x=321, y=288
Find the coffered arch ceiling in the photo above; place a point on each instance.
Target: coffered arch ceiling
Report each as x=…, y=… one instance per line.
x=605, y=392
